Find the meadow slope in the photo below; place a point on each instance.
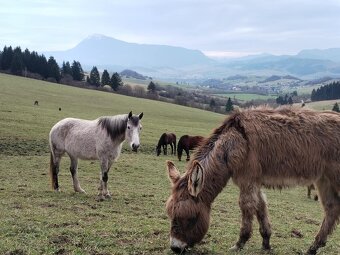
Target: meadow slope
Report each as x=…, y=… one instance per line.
x=35, y=220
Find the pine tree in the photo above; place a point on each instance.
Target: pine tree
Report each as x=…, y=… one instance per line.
x=229, y=105
x=94, y=77
x=152, y=87
x=115, y=81
x=6, y=59
x=77, y=71
x=66, y=69
x=212, y=103
x=336, y=108
x=17, y=64
x=290, y=100
x=53, y=69
x=105, y=78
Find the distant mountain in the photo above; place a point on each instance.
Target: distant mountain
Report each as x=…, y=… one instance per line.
x=332, y=54
x=106, y=52
x=132, y=74
x=176, y=63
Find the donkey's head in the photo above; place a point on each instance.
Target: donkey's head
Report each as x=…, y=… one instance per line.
x=188, y=213
x=133, y=130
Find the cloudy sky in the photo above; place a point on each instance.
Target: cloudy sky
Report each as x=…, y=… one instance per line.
x=216, y=27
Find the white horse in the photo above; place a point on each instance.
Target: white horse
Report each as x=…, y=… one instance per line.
x=92, y=139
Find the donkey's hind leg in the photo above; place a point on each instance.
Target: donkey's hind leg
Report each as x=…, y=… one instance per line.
x=262, y=217
x=73, y=170
x=331, y=203
x=248, y=202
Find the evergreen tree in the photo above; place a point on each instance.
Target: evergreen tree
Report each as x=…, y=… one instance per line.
x=115, y=81
x=66, y=69
x=229, y=105
x=290, y=100
x=336, y=108
x=105, y=78
x=152, y=87
x=77, y=71
x=53, y=69
x=17, y=65
x=212, y=103
x=94, y=77
x=6, y=59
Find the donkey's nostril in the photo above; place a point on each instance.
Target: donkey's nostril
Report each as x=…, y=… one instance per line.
x=176, y=249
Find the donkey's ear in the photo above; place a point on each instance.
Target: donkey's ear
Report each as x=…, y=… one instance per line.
x=173, y=173
x=130, y=115
x=196, y=179
x=140, y=115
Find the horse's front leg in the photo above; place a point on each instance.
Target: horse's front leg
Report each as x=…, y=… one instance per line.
x=248, y=201
x=105, y=165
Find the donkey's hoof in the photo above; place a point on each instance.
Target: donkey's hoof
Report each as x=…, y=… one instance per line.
x=80, y=190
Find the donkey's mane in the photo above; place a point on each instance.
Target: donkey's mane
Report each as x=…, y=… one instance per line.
x=115, y=126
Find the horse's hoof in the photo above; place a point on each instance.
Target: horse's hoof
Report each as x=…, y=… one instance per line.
x=235, y=248
x=100, y=198
x=80, y=190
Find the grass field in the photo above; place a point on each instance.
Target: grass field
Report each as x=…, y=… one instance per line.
x=246, y=96
x=35, y=220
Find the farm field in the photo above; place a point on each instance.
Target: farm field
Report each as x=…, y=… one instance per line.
x=35, y=220
x=246, y=96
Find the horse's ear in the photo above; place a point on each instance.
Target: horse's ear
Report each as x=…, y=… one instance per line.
x=196, y=179
x=173, y=173
x=140, y=115
x=130, y=115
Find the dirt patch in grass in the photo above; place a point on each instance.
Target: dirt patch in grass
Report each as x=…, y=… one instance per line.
x=16, y=252
x=60, y=240
x=21, y=147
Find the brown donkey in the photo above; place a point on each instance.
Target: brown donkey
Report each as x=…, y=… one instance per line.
x=258, y=147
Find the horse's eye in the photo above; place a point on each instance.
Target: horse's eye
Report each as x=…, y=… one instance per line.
x=128, y=127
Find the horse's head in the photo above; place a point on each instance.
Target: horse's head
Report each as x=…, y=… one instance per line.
x=133, y=130
x=188, y=214
x=158, y=150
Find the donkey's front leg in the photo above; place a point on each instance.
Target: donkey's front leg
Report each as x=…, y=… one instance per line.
x=247, y=202
x=103, y=191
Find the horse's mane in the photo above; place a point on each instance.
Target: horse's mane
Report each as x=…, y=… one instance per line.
x=115, y=126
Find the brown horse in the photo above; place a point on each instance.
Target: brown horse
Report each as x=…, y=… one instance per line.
x=187, y=143
x=258, y=147
x=164, y=140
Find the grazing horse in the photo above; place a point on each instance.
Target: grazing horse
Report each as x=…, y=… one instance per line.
x=274, y=148
x=187, y=143
x=36, y=102
x=164, y=140
x=92, y=139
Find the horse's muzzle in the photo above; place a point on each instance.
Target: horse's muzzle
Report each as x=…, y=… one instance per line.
x=135, y=147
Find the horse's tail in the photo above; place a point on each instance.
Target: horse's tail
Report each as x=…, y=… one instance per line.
x=52, y=171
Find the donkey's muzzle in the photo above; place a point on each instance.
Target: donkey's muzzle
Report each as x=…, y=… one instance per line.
x=135, y=147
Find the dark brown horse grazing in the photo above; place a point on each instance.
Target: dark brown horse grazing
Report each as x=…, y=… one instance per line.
x=187, y=143
x=164, y=140
x=258, y=147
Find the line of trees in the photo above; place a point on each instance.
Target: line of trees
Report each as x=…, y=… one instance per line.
x=326, y=92
x=34, y=65
x=115, y=82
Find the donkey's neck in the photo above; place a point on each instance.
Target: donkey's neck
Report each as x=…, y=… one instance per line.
x=216, y=178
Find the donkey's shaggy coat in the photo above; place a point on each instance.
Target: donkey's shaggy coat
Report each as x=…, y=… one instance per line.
x=258, y=147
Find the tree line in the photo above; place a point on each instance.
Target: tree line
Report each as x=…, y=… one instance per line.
x=326, y=92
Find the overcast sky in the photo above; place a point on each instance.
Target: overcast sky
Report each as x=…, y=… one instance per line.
x=220, y=27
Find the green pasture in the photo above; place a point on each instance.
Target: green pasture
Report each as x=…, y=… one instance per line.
x=36, y=220
x=246, y=96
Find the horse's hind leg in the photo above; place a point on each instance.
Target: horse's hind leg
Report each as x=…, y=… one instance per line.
x=175, y=148
x=73, y=170
x=248, y=202
x=172, y=149
x=331, y=203
x=54, y=170
x=262, y=217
